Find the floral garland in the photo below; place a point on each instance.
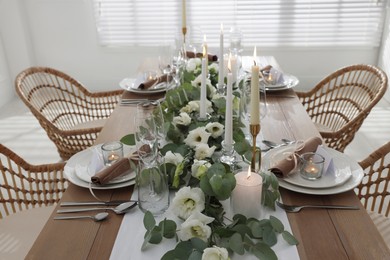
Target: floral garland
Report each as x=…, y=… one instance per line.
x=192, y=164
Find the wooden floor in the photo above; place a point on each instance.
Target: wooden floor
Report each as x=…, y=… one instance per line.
x=20, y=131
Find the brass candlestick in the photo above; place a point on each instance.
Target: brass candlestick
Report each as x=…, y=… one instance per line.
x=184, y=31
x=255, y=130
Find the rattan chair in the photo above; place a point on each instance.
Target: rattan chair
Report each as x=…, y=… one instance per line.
x=28, y=194
x=339, y=103
x=374, y=190
x=71, y=115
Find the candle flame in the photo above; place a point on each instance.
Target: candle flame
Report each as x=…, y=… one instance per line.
x=221, y=27
x=254, y=56
x=249, y=173
x=204, y=47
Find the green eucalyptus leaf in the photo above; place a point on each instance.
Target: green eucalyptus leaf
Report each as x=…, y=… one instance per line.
x=206, y=187
x=241, y=147
x=149, y=221
x=156, y=235
x=235, y=244
x=269, y=236
x=147, y=237
x=290, y=239
x=128, y=139
x=239, y=219
x=198, y=243
x=242, y=229
x=277, y=225
x=168, y=228
x=263, y=251
x=195, y=255
x=216, y=169
x=256, y=229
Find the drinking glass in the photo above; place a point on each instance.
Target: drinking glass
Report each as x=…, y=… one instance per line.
x=235, y=39
x=165, y=60
x=146, y=134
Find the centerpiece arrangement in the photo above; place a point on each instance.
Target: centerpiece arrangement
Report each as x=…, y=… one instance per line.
x=203, y=183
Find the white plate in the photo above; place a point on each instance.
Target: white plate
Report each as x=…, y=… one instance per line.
x=341, y=160
x=131, y=85
x=341, y=175
x=289, y=81
x=83, y=180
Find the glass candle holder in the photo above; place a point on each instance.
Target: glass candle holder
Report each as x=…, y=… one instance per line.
x=112, y=152
x=312, y=165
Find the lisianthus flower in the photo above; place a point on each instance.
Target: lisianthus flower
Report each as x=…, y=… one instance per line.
x=182, y=119
x=187, y=201
x=197, y=82
x=215, y=253
x=203, y=151
x=197, y=136
x=192, y=64
x=213, y=68
x=195, y=226
x=174, y=158
x=199, y=168
x=192, y=106
x=215, y=128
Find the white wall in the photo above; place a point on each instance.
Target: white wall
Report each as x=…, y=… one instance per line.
x=61, y=34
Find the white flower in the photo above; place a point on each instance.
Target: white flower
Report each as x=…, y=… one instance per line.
x=192, y=106
x=195, y=226
x=192, y=64
x=199, y=168
x=213, y=67
x=174, y=158
x=197, y=136
x=182, y=119
x=187, y=201
x=215, y=253
x=215, y=128
x=203, y=151
x=218, y=96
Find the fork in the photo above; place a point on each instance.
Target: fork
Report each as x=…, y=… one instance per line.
x=294, y=209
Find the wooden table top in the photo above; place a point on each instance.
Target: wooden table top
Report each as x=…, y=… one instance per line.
x=323, y=234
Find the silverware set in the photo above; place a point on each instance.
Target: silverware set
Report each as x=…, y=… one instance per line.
x=295, y=209
x=122, y=207
x=272, y=145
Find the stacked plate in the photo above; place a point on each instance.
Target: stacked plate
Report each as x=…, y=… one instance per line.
x=348, y=174
x=78, y=170
x=287, y=81
x=131, y=85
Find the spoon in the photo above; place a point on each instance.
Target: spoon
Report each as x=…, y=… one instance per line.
x=121, y=209
x=270, y=144
x=98, y=217
x=287, y=141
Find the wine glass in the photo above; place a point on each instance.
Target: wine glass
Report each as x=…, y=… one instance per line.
x=165, y=61
x=146, y=134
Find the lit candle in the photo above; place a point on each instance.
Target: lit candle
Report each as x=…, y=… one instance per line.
x=203, y=90
x=255, y=94
x=246, y=196
x=311, y=168
x=183, y=13
x=221, y=59
x=229, y=109
x=112, y=158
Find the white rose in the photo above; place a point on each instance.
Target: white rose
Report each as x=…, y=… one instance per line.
x=182, y=119
x=203, y=151
x=215, y=128
x=215, y=253
x=197, y=136
x=199, y=168
x=195, y=226
x=187, y=201
x=174, y=158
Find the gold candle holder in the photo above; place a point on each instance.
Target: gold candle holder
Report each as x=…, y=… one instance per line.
x=184, y=31
x=255, y=130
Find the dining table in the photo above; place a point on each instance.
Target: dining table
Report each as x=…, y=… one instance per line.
x=322, y=233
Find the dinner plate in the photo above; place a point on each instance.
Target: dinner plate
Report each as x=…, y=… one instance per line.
x=341, y=160
x=83, y=180
x=131, y=85
x=289, y=81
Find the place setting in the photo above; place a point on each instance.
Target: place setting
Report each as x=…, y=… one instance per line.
x=312, y=168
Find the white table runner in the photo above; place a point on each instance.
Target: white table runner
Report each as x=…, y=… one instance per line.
x=131, y=236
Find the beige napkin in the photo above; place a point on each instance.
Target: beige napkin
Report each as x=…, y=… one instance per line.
x=285, y=166
x=210, y=57
x=152, y=82
x=107, y=174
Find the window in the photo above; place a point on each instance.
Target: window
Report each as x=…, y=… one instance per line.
x=262, y=22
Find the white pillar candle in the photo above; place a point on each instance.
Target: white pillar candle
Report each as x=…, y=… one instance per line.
x=221, y=74
x=229, y=110
x=233, y=62
x=183, y=14
x=255, y=94
x=246, y=196
x=203, y=90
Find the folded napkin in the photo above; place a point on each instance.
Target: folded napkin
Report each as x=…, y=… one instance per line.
x=152, y=82
x=210, y=57
x=107, y=174
x=285, y=166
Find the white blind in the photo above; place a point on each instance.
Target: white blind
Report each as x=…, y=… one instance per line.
x=262, y=22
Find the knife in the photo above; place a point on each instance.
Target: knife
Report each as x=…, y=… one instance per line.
x=93, y=203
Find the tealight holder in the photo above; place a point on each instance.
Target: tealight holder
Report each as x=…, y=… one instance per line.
x=112, y=152
x=312, y=165
x=228, y=154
